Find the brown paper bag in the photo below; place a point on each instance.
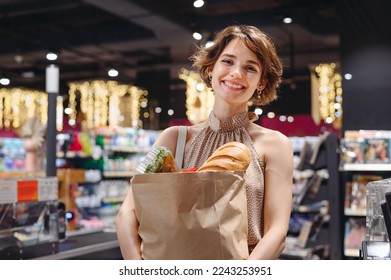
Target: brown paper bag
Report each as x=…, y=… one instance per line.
x=200, y=215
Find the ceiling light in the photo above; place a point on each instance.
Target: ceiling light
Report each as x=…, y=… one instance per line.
x=4, y=81
x=287, y=20
x=112, y=72
x=197, y=35
x=51, y=56
x=348, y=76
x=198, y=3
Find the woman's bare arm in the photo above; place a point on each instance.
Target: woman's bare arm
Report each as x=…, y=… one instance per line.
x=278, y=197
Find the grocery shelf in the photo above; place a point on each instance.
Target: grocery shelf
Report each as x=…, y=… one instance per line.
x=118, y=174
x=355, y=212
x=366, y=167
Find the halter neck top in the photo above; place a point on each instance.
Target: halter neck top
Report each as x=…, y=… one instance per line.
x=215, y=135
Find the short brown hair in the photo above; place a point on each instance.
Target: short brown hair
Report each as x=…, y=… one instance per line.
x=258, y=42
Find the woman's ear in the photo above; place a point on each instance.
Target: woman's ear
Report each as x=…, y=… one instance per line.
x=262, y=84
x=209, y=72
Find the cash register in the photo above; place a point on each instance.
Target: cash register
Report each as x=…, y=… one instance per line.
x=28, y=217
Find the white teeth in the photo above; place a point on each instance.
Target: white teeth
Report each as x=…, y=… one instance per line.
x=233, y=85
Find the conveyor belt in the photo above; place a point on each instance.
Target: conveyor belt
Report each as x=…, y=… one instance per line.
x=84, y=243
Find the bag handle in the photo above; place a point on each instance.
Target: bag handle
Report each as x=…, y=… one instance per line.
x=180, y=145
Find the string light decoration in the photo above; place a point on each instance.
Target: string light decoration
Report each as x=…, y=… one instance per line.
x=101, y=103
x=18, y=105
x=199, y=98
x=72, y=103
x=59, y=113
x=327, y=94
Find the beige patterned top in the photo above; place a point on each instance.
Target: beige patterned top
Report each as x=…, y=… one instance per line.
x=219, y=133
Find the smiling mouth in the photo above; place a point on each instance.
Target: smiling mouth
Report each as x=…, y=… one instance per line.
x=232, y=85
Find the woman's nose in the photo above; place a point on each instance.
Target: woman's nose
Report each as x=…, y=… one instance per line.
x=236, y=73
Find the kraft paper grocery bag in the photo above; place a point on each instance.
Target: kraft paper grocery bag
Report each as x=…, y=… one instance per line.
x=191, y=216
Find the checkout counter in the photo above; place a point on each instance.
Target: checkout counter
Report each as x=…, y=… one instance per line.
x=29, y=225
x=91, y=244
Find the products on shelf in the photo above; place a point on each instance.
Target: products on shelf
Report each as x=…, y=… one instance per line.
x=124, y=150
x=74, y=144
x=355, y=194
x=123, y=163
x=377, y=150
x=366, y=147
x=365, y=158
x=12, y=154
x=354, y=236
x=128, y=137
x=96, y=169
x=352, y=151
x=99, y=203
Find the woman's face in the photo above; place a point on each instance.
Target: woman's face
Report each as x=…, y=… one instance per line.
x=236, y=73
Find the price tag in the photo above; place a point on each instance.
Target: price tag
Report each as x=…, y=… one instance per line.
x=27, y=190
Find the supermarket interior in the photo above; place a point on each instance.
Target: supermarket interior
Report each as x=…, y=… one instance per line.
x=86, y=87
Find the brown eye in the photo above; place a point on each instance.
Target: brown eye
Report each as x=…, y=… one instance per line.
x=226, y=61
x=252, y=69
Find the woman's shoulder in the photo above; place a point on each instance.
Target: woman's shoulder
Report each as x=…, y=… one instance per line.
x=168, y=137
x=172, y=131
x=169, y=131
x=267, y=137
x=264, y=132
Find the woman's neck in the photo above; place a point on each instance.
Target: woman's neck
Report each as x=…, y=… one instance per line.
x=224, y=112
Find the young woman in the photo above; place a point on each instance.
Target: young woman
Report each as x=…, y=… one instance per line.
x=241, y=66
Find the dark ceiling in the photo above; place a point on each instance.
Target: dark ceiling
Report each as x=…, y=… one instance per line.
x=140, y=35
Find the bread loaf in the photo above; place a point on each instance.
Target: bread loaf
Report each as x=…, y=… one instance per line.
x=230, y=156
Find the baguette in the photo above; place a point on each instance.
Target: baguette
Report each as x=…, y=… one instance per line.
x=230, y=156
